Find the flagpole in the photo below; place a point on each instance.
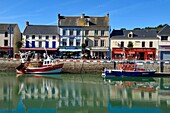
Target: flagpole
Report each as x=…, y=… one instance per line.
x=10, y=31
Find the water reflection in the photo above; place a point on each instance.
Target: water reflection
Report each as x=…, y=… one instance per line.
x=84, y=93
x=139, y=94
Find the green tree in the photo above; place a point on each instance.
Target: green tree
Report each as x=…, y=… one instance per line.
x=123, y=29
x=83, y=47
x=19, y=44
x=137, y=29
x=130, y=45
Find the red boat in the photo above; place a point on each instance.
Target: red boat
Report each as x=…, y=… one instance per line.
x=35, y=66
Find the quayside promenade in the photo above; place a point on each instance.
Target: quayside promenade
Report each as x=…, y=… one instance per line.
x=89, y=66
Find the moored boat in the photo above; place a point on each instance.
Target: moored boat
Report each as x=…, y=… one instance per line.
x=129, y=69
x=43, y=66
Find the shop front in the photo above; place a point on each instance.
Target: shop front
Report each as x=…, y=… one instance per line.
x=164, y=52
x=134, y=53
x=99, y=52
x=70, y=52
x=5, y=52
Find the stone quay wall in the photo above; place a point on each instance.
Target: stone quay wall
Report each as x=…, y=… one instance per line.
x=87, y=66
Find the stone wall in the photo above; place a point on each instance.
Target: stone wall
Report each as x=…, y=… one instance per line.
x=83, y=67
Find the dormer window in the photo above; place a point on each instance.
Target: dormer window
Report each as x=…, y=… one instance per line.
x=164, y=38
x=130, y=35
x=86, y=22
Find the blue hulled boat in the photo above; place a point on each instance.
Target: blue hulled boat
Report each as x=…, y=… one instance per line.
x=129, y=69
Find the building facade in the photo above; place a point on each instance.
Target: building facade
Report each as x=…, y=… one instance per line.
x=9, y=35
x=91, y=31
x=164, y=43
x=40, y=37
x=70, y=37
x=145, y=44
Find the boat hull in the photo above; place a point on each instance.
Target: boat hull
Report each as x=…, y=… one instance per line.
x=44, y=70
x=128, y=73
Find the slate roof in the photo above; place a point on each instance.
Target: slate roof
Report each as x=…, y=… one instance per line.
x=41, y=29
x=164, y=31
x=79, y=21
x=4, y=27
x=137, y=34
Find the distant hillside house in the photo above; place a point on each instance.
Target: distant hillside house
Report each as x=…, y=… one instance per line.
x=93, y=31
x=145, y=44
x=164, y=43
x=38, y=37
x=9, y=35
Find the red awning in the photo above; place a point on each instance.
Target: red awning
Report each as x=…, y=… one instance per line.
x=131, y=52
x=34, y=49
x=5, y=48
x=150, y=52
x=118, y=52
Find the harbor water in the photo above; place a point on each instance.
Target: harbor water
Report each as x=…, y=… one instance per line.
x=83, y=93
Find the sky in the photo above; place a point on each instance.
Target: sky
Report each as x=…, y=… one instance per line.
x=127, y=14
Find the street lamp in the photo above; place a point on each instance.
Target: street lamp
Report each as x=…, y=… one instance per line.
x=10, y=29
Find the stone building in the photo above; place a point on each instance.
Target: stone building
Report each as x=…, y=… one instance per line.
x=93, y=31
x=9, y=35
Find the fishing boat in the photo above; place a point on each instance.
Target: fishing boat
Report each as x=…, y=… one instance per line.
x=128, y=68
x=38, y=66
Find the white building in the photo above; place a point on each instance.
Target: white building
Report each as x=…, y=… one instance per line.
x=38, y=37
x=164, y=43
x=145, y=43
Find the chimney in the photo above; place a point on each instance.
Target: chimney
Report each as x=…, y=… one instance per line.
x=27, y=23
x=83, y=15
x=107, y=14
x=58, y=15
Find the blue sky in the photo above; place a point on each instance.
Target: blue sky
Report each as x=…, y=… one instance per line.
x=123, y=13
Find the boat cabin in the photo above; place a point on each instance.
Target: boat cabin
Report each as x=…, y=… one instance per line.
x=48, y=61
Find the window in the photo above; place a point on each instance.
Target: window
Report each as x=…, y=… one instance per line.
x=54, y=37
x=86, y=23
x=33, y=36
x=122, y=44
x=71, y=31
x=102, y=32
x=47, y=37
x=164, y=38
x=33, y=44
x=6, y=34
x=78, y=32
x=27, y=36
x=102, y=43
x=54, y=44
x=40, y=37
x=95, y=42
x=47, y=44
x=96, y=33
x=40, y=43
x=5, y=42
x=150, y=44
x=78, y=42
x=130, y=35
x=64, y=32
x=87, y=42
x=71, y=42
x=27, y=44
x=86, y=32
x=64, y=42
x=143, y=44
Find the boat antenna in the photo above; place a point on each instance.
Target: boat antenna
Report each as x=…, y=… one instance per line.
x=46, y=52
